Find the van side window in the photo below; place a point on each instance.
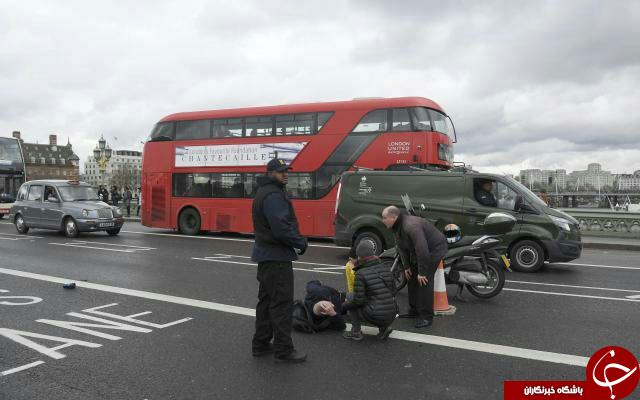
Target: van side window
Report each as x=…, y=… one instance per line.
x=484, y=192
x=506, y=196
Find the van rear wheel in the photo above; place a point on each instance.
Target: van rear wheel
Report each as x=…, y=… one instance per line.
x=526, y=256
x=372, y=237
x=189, y=221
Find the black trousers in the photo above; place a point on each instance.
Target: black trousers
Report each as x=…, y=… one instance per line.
x=357, y=317
x=274, y=312
x=421, y=297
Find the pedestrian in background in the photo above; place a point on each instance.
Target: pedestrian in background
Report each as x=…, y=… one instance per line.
x=115, y=196
x=138, y=198
x=422, y=247
x=126, y=198
x=277, y=243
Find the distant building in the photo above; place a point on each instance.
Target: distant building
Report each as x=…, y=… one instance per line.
x=544, y=178
x=49, y=161
x=593, y=177
x=122, y=168
x=628, y=181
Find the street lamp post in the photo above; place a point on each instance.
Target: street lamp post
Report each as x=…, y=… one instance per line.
x=102, y=154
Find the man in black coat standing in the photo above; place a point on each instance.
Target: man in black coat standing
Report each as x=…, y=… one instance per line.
x=422, y=246
x=277, y=243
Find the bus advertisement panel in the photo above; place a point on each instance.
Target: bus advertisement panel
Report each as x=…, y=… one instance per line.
x=199, y=168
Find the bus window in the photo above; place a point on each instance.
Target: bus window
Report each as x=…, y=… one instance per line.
x=401, y=121
x=192, y=185
x=300, y=186
x=227, y=128
x=199, y=129
x=162, y=131
x=440, y=123
x=323, y=118
x=298, y=124
x=421, y=119
x=250, y=185
x=259, y=126
x=227, y=185
x=375, y=121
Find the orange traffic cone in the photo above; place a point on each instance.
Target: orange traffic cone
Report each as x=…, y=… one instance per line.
x=440, y=302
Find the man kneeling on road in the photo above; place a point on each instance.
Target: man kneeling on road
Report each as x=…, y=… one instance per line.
x=373, y=295
x=422, y=247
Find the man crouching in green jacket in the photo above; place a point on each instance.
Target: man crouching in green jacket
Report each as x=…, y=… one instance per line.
x=373, y=295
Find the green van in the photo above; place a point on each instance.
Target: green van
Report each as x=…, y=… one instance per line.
x=447, y=197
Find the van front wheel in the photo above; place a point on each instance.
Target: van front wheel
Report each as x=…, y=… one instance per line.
x=372, y=237
x=526, y=256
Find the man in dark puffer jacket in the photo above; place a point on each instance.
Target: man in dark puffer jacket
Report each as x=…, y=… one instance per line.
x=373, y=295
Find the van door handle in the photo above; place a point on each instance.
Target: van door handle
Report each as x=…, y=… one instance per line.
x=472, y=209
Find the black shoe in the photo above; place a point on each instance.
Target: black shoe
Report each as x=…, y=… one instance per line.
x=410, y=314
x=263, y=351
x=383, y=333
x=294, y=357
x=423, y=323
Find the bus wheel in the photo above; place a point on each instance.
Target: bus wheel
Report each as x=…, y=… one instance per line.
x=372, y=237
x=189, y=221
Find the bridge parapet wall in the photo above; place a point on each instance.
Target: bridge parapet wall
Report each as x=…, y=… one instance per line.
x=606, y=223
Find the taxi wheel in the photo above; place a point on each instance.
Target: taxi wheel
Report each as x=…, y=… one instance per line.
x=526, y=256
x=71, y=228
x=21, y=227
x=113, y=232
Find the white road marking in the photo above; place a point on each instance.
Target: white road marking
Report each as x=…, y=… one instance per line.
x=21, y=368
x=509, y=351
x=219, y=238
x=571, y=264
x=91, y=247
x=14, y=237
x=575, y=286
x=333, y=266
x=113, y=246
x=116, y=244
x=323, y=271
x=226, y=261
x=571, y=295
x=634, y=297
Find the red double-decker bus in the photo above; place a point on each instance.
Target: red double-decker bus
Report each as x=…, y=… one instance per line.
x=199, y=168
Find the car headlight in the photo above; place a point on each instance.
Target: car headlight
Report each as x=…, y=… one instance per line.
x=90, y=213
x=116, y=211
x=561, y=223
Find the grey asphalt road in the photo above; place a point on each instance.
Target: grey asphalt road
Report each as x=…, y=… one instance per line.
x=204, y=290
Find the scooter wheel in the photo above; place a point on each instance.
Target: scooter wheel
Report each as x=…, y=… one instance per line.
x=495, y=284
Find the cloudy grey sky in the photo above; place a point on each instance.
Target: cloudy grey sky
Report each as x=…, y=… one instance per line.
x=529, y=84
